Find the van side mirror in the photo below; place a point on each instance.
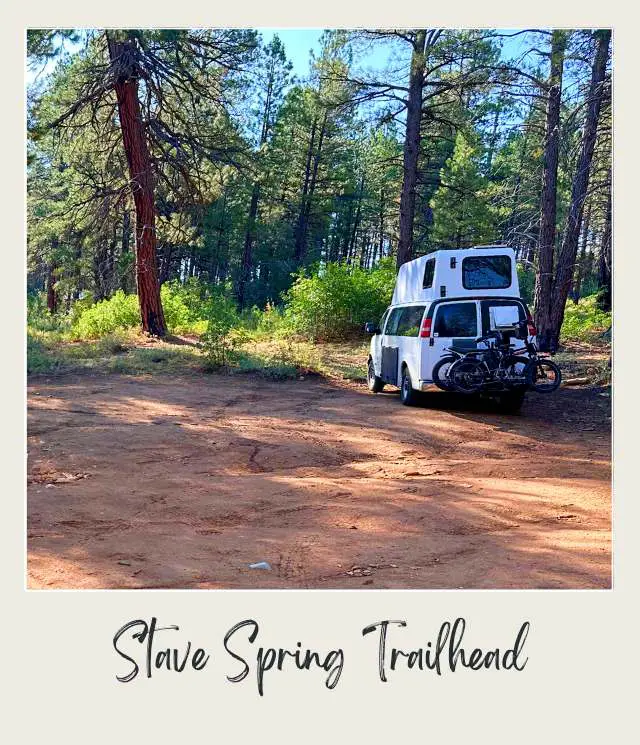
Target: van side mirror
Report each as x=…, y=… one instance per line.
x=371, y=327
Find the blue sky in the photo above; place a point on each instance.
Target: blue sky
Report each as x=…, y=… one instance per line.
x=299, y=42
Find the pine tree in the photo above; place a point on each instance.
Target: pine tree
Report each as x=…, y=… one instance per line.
x=463, y=215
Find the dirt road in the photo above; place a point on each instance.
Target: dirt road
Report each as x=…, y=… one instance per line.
x=182, y=483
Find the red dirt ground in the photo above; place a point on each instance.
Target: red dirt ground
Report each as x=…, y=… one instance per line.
x=183, y=482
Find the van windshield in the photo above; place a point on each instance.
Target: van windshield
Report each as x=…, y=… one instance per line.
x=486, y=272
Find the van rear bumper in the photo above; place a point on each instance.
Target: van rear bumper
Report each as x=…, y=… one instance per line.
x=426, y=385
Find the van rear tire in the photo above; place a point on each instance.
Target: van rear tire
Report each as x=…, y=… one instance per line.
x=435, y=374
x=408, y=396
x=511, y=402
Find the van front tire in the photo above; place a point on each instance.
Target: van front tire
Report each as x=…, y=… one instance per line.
x=408, y=396
x=374, y=383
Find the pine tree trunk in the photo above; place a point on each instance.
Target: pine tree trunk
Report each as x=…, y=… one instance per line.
x=381, y=228
x=301, y=227
x=140, y=173
x=247, y=252
x=411, y=149
x=356, y=224
x=125, y=279
x=305, y=214
x=569, y=249
x=52, y=295
x=580, y=270
x=604, y=261
x=547, y=235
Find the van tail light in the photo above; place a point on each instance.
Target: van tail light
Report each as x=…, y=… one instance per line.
x=425, y=329
x=533, y=331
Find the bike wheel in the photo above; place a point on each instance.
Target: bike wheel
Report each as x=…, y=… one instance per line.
x=543, y=376
x=440, y=374
x=467, y=376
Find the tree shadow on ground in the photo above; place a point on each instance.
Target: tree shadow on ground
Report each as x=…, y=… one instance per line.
x=184, y=483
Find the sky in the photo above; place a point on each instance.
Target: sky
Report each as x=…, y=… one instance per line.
x=299, y=42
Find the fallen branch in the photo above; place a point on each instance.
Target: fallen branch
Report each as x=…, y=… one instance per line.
x=576, y=381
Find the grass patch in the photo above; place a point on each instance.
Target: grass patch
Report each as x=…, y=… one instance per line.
x=584, y=321
x=40, y=359
x=130, y=353
x=581, y=360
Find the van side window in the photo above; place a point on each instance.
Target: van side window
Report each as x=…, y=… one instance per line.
x=429, y=269
x=392, y=322
x=410, y=320
x=456, y=319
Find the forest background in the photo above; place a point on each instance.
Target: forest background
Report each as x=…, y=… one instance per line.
x=226, y=198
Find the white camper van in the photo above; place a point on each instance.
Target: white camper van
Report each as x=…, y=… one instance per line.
x=441, y=300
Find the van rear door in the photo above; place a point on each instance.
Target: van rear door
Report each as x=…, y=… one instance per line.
x=485, y=313
x=454, y=324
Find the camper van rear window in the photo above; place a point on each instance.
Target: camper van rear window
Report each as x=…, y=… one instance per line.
x=486, y=272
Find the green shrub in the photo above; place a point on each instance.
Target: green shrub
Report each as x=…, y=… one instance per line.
x=39, y=358
x=186, y=306
x=336, y=300
x=271, y=322
x=584, y=321
x=39, y=318
x=220, y=340
x=187, y=309
x=118, y=312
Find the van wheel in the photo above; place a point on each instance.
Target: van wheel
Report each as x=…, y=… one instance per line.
x=408, y=396
x=511, y=402
x=375, y=383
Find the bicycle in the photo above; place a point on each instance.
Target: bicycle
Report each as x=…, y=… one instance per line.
x=500, y=367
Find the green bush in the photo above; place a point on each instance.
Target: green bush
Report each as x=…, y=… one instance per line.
x=39, y=359
x=584, y=321
x=118, y=312
x=271, y=322
x=39, y=318
x=335, y=300
x=222, y=337
x=186, y=306
x=186, y=309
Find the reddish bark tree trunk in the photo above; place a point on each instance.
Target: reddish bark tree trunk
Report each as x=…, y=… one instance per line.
x=140, y=173
x=548, y=200
x=411, y=149
x=569, y=249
